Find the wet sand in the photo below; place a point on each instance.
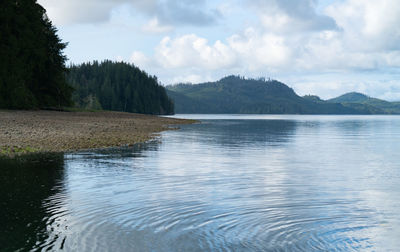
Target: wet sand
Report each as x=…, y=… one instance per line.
x=53, y=131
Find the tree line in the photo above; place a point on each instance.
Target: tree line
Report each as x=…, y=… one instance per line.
x=118, y=86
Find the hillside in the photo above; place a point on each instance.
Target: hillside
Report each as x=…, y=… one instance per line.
x=353, y=97
x=118, y=87
x=363, y=102
x=234, y=94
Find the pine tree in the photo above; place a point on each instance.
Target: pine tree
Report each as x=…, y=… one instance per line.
x=32, y=66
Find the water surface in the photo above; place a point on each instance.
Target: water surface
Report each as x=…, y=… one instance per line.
x=230, y=183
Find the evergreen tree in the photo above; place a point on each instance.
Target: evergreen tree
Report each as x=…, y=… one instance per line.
x=32, y=66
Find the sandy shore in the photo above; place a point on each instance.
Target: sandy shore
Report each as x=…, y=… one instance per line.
x=52, y=131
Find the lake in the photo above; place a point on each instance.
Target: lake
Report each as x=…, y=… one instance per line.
x=229, y=183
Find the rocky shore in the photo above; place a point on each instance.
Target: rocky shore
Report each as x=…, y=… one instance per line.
x=53, y=131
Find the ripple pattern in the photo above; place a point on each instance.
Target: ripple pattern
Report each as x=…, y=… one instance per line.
x=311, y=184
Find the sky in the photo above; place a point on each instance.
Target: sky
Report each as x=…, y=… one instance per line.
x=319, y=47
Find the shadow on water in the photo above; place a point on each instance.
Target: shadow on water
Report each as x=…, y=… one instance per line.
x=34, y=213
x=135, y=151
x=25, y=183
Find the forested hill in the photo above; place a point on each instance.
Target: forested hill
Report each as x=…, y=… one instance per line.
x=118, y=86
x=235, y=94
x=369, y=104
x=32, y=64
x=350, y=97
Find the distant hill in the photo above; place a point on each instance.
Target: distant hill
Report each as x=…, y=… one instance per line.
x=353, y=97
x=117, y=86
x=235, y=94
x=363, y=102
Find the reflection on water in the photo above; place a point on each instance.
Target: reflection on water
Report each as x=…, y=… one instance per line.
x=244, y=133
x=252, y=183
x=27, y=186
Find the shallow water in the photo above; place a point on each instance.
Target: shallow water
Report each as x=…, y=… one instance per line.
x=231, y=183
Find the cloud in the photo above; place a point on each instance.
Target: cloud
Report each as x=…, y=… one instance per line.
x=249, y=50
x=154, y=26
x=335, y=41
x=141, y=60
x=193, y=51
x=185, y=12
x=368, y=25
x=256, y=50
x=167, y=12
x=288, y=16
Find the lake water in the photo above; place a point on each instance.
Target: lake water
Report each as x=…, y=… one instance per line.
x=230, y=183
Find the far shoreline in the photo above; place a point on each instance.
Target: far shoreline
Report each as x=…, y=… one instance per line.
x=43, y=131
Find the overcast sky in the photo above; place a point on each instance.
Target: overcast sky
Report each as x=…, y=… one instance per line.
x=325, y=47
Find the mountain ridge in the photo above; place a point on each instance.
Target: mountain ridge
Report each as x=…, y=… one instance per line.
x=235, y=94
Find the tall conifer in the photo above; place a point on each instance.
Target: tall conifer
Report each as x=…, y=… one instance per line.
x=32, y=65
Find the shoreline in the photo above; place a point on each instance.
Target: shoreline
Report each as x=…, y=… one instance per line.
x=42, y=131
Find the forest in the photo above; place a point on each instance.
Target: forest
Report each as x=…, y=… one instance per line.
x=33, y=72
x=117, y=86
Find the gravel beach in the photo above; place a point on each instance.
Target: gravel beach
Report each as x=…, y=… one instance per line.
x=53, y=131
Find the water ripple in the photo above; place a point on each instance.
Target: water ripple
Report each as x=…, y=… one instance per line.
x=235, y=185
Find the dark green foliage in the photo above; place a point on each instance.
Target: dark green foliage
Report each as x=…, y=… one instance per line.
x=32, y=65
x=118, y=86
x=239, y=95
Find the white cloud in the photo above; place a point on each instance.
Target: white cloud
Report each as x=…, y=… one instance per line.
x=258, y=50
x=249, y=50
x=141, y=60
x=191, y=51
x=154, y=26
x=368, y=25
